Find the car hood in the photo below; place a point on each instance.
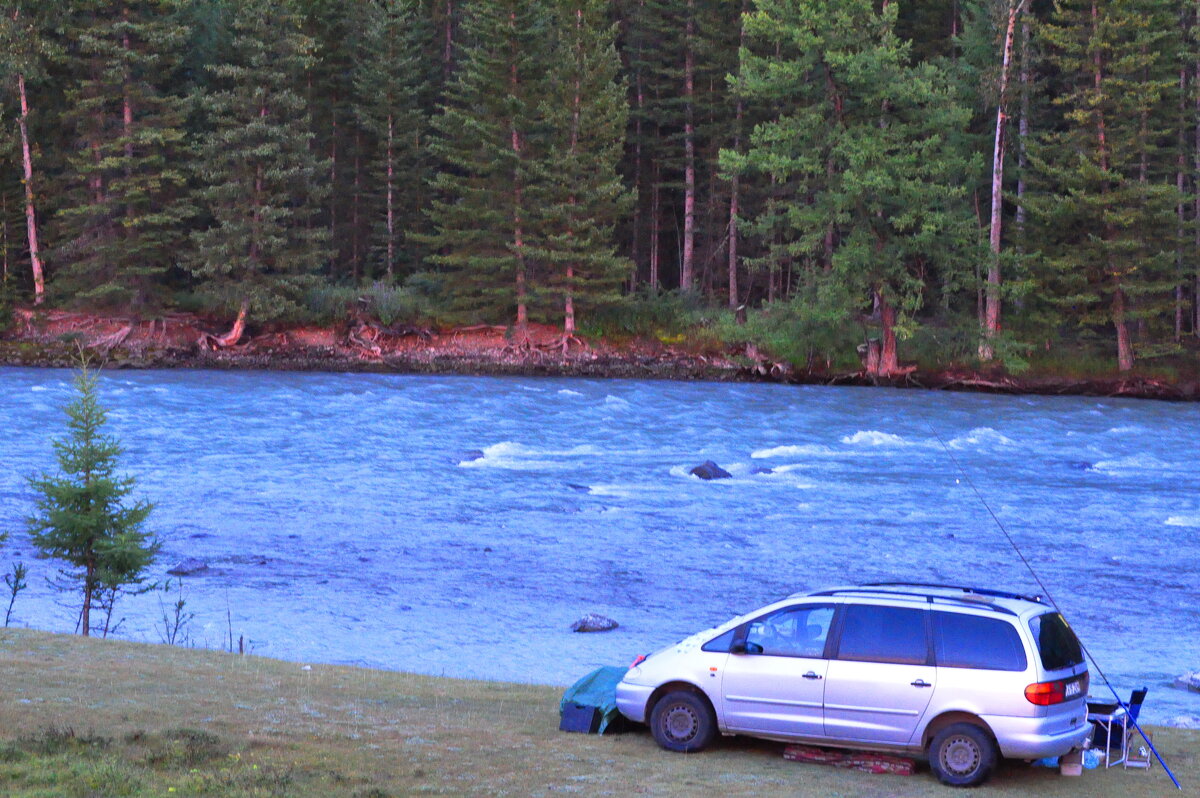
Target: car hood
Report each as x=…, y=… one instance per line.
x=647, y=667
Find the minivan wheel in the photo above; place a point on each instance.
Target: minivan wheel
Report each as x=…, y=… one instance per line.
x=962, y=755
x=684, y=722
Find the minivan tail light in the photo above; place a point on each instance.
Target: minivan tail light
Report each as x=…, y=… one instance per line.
x=638, y=660
x=1046, y=693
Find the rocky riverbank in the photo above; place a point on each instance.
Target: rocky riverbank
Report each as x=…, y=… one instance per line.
x=53, y=339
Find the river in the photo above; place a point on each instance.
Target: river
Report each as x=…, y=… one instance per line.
x=459, y=525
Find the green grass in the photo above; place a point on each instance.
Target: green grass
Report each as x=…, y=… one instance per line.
x=89, y=718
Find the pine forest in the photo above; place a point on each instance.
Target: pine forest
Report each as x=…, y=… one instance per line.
x=994, y=182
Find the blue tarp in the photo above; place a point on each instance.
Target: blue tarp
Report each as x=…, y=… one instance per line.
x=598, y=689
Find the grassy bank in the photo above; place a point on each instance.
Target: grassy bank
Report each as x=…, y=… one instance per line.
x=104, y=718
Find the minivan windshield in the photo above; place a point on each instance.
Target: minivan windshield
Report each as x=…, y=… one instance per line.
x=1057, y=644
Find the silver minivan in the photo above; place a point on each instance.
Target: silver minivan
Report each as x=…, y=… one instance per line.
x=961, y=675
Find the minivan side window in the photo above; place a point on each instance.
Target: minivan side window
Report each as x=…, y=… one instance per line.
x=883, y=634
x=791, y=632
x=971, y=641
x=721, y=642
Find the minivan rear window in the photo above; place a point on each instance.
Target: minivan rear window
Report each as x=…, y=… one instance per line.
x=972, y=641
x=1057, y=644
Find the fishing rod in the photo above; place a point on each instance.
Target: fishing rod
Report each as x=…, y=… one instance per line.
x=1053, y=603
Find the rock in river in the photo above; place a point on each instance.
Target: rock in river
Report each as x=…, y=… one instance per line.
x=1189, y=681
x=594, y=623
x=188, y=567
x=710, y=470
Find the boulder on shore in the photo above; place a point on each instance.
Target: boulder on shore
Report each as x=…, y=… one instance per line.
x=188, y=567
x=1189, y=682
x=710, y=470
x=594, y=623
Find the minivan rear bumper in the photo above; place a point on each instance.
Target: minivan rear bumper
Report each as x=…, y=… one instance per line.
x=1035, y=738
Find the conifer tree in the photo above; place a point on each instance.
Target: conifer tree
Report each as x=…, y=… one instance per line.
x=858, y=151
x=123, y=221
x=678, y=54
x=261, y=184
x=337, y=28
x=392, y=78
x=488, y=138
x=83, y=516
x=577, y=188
x=1107, y=209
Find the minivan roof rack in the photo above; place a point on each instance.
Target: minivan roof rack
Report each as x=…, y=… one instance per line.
x=928, y=597
x=979, y=591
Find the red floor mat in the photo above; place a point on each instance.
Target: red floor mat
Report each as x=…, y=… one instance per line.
x=852, y=760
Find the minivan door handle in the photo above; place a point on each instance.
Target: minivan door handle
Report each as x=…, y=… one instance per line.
x=921, y=683
x=812, y=675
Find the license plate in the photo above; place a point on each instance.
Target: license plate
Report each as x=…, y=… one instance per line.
x=1073, y=689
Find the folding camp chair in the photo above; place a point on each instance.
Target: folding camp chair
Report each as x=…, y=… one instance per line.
x=1137, y=755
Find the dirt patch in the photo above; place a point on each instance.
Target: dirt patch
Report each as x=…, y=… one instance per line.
x=53, y=337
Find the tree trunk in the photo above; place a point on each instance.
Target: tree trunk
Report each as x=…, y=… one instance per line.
x=355, y=230
x=4, y=238
x=733, y=183
x=1180, y=166
x=1023, y=132
x=733, y=237
x=569, y=309
x=35, y=259
x=391, y=209
x=655, y=188
x=89, y=587
x=576, y=111
x=127, y=101
x=333, y=193
x=518, y=235
x=1196, y=193
x=991, y=323
x=239, y=326
x=1124, y=347
x=448, y=44
x=687, y=264
x=637, y=182
x=889, y=362
x=872, y=361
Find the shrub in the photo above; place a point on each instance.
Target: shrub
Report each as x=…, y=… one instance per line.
x=409, y=303
x=815, y=328
x=667, y=315
x=330, y=304
x=6, y=302
x=392, y=304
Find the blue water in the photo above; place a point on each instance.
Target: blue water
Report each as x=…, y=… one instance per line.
x=459, y=525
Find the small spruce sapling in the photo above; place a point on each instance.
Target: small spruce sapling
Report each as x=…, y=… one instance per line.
x=176, y=617
x=82, y=514
x=15, y=581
